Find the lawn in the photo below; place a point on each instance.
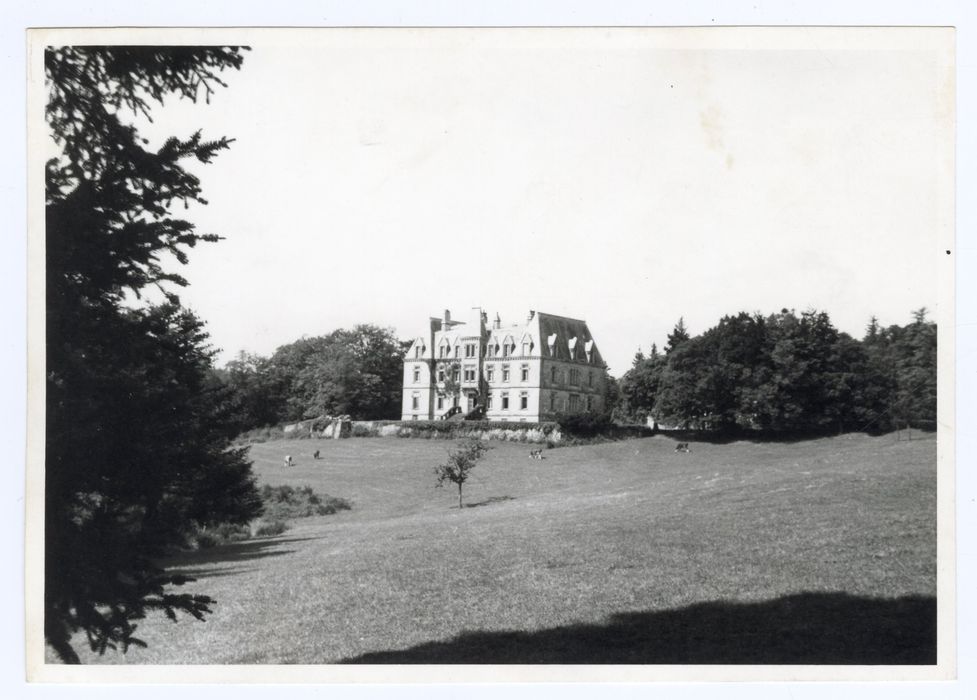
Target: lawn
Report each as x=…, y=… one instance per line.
x=820, y=551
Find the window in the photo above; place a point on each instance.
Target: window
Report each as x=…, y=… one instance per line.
x=455, y=374
x=574, y=402
x=490, y=374
x=523, y=400
x=505, y=400
x=508, y=349
x=488, y=401
x=553, y=401
x=553, y=375
x=417, y=374
x=440, y=402
x=443, y=351
x=417, y=351
x=457, y=351
x=414, y=417
x=524, y=373
x=505, y=373
x=469, y=373
x=590, y=378
x=441, y=374
x=470, y=350
x=575, y=377
x=590, y=403
x=525, y=349
x=415, y=401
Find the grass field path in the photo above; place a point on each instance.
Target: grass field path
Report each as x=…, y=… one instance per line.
x=567, y=542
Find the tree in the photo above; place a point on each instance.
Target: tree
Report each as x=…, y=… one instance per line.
x=137, y=441
x=450, y=386
x=460, y=464
x=638, y=388
x=908, y=353
x=678, y=336
x=256, y=395
x=356, y=372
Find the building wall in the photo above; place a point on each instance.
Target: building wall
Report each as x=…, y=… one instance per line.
x=516, y=387
x=422, y=388
x=570, y=387
x=533, y=395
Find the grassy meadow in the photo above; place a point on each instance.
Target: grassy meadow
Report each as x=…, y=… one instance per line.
x=821, y=551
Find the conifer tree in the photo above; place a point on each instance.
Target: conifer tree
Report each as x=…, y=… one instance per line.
x=137, y=445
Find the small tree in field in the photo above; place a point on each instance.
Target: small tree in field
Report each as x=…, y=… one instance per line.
x=460, y=463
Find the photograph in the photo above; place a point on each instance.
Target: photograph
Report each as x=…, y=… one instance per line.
x=551, y=350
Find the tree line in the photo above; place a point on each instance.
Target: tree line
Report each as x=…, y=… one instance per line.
x=786, y=373
x=356, y=372
x=780, y=373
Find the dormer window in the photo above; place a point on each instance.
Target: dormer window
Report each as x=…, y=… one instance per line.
x=551, y=342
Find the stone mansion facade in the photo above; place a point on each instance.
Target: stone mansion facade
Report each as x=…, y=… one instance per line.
x=526, y=372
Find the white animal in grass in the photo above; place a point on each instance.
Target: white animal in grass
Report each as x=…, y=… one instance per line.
x=288, y=461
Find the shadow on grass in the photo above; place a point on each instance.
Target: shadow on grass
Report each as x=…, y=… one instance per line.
x=490, y=500
x=806, y=628
x=258, y=548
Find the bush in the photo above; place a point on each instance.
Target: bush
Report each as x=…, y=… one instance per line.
x=266, y=433
x=225, y=533
x=449, y=430
x=281, y=503
x=270, y=529
x=206, y=540
x=584, y=424
x=284, y=502
x=364, y=430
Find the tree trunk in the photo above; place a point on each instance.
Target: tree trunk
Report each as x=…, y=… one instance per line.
x=459, y=495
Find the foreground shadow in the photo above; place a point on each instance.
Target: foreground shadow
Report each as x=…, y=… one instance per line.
x=258, y=548
x=806, y=628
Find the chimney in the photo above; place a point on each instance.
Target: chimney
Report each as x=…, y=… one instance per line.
x=531, y=315
x=497, y=324
x=447, y=319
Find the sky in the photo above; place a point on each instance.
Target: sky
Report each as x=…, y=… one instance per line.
x=626, y=177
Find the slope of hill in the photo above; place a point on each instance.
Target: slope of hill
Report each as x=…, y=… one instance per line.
x=809, y=552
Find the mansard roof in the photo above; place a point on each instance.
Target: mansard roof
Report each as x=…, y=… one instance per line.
x=571, y=338
x=565, y=330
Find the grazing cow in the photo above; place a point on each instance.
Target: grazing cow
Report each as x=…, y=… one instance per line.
x=315, y=455
x=683, y=447
x=288, y=461
x=536, y=454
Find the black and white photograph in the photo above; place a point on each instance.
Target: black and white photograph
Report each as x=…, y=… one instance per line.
x=546, y=350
